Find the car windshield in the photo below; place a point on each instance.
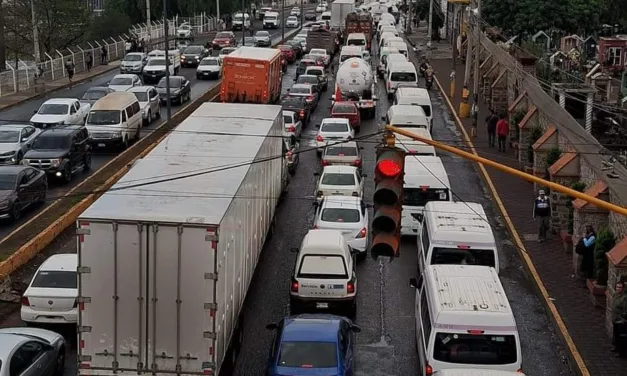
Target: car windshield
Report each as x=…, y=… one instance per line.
x=293, y=101
x=132, y=57
x=323, y=267
x=56, y=279
x=223, y=35
x=287, y=119
x=141, y=96
x=121, y=81
x=9, y=137
x=356, y=42
x=94, y=95
x=285, y=48
x=341, y=151
x=463, y=256
x=153, y=62
x=340, y=215
x=483, y=349
x=104, y=117
x=308, y=355
x=334, y=127
x=292, y=18
x=315, y=72
x=403, y=77
x=185, y=27
x=344, y=109
x=209, y=62
x=300, y=90
x=194, y=50
x=311, y=80
x=317, y=51
x=8, y=182
x=269, y=18
x=238, y=17
x=262, y=34
x=338, y=179
x=174, y=82
x=51, y=142
x=346, y=57
x=420, y=196
x=53, y=109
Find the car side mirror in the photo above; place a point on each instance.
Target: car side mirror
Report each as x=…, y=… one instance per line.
x=35, y=112
x=316, y=174
x=318, y=126
x=413, y=282
x=355, y=329
x=382, y=118
x=315, y=204
x=288, y=90
x=361, y=148
x=294, y=250
x=273, y=326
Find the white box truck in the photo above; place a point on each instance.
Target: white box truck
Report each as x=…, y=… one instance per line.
x=166, y=256
x=339, y=10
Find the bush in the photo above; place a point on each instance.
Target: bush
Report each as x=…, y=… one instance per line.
x=579, y=187
x=552, y=156
x=605, y=241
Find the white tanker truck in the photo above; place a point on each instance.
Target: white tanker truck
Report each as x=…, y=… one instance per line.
x=356, y=82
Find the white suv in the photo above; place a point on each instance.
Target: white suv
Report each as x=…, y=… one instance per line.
x=324, y=277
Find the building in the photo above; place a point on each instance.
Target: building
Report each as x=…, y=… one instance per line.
x=613, y=52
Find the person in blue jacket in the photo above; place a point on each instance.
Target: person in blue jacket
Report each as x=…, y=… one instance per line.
x=542, y=211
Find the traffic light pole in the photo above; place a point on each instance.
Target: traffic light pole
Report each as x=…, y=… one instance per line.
x=531, y=178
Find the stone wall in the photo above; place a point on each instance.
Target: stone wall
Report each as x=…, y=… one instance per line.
x=498, y=94
x=597, y=218
x=560, y=204
x=618, y=223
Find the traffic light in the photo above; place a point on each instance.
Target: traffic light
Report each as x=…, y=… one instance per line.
x=388, y=202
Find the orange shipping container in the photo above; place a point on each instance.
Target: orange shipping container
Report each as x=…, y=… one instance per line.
x=251, y=75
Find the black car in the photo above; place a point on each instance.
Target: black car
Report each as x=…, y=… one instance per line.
x=95, y=93
x=299, y=105
x=60, y=152
x=180, y=90
x=20, y=187
x=297, y=46
x=310, y=79
x=192, y=55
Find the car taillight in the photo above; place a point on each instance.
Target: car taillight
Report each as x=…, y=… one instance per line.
x=350, y=287
x=301, y=113
x=325, y=162
x=315, y=227
x=355, y=194
x=25, y=301
x=319, y=63
x=310, y=98
x=357, y=163
x=319, y=138
x=519, y=370
x=362, y=234
x=294, y=286
x=291, y=129
x=389, y=85
x=428, y=370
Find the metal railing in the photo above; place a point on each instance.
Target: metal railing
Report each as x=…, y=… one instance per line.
x=24, y=75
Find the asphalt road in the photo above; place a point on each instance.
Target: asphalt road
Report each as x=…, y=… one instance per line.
x=23, y=112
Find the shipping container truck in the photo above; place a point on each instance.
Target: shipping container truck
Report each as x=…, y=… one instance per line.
x=339, y=10
x=251, y=75
x=360, y=23
x=321, y=38
x=166, y=256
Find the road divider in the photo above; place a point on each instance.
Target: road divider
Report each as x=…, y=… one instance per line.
x=44, y=227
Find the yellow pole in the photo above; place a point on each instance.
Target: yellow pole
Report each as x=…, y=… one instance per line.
x=451, y=93
x=534, y=179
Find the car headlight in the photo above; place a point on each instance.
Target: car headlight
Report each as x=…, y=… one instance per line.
x=25, y=162
x=8, y=153
x=55, y=162
x=117, y=134
x=4, y=203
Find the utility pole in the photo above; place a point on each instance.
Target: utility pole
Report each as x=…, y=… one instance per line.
x=218, y=11
x=3, y=51
x=430, y=31
x=477, y=13
x=36, y=51
x=283, y=19
x=302, y=13
x=244, y=23
x=408, y=19
x=148, y=20
x=452, y=76
x=167, y=60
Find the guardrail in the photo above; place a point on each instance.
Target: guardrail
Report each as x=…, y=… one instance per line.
x=29, y=75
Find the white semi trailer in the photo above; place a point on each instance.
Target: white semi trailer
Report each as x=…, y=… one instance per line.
x=166, y=256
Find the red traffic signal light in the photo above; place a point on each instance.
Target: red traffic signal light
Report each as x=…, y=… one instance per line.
x=388, y=202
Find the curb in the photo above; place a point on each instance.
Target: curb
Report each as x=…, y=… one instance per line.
x=556, y=318
x=26, y=252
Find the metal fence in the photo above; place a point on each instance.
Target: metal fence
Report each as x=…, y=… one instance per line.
x=23, y=75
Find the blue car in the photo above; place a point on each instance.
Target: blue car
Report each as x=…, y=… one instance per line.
x=313, y=345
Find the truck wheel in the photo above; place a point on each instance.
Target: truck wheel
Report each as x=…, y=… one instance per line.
x=87, y=162
x=67, y=173
x=16, y=211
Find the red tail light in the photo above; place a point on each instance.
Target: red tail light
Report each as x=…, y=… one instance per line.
x=310, y=98
x=389, y=85
x=315, y=227
x=319, y=138
x=362, y=234
x=428, y=370
x=350, y=287
x=301, y=113
x=289, y=154
x=25, y=301
x=520, y=370
x=291, y=129
x=294, y=286
x=325, y=162
x=319, y=63
x=357, y=163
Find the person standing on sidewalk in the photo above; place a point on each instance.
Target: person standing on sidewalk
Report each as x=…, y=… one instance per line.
x=474, y=115
x=89, y=62
x=103, y=55
x=542, y=211
x=491, y=121
x=69, y=68
x=502, y=131
x=619, y=311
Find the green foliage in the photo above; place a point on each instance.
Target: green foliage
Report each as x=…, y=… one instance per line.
x=421, y=10
x=579, y=187
x=552, y=156
x=605, y=241
x=111, y=22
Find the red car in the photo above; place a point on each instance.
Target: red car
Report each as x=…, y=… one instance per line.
x=347, y=110
x=288, y=53
x=224, y=39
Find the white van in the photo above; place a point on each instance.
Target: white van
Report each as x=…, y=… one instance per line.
x=415, y=96
x=382, y=23
x=115, y=120
x=383, y=55
x=392, y=59
x=349, y=52
x=386, y=37
x=407, y=117
x=357, y=39
x=399, y=45
x=464, y=320
x=475, y=372
x=175, y=58
x=326, y=16
x=324, y=277
x=400, y=74
x=241, y=21
x=425, y=180
x=456, y=233
x=417, y=148
x=389, y=29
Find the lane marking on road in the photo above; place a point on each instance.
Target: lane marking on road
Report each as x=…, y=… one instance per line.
x=559, y=321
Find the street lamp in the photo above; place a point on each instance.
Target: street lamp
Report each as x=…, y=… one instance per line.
x=167, y=60
x=244, y=24
x=283, y=20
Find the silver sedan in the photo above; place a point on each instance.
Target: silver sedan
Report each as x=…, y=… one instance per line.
x=15, y=140
x=31, y=352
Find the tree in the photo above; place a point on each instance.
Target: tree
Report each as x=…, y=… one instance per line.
x=421, y=10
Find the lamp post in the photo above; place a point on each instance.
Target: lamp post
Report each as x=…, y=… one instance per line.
x=167, y=60
x=244, y=23
x=36, y=51
x=148, y=20
x=283, y=20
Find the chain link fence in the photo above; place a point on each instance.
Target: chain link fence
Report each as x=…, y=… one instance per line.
x=23, y=75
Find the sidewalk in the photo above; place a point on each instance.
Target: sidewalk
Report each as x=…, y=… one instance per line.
x=584, y=323
x=48, y=87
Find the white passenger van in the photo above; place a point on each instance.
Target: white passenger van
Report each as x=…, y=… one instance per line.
x=475, y=372
x=416, y=148
x=413, y=119
x=400, y=74
x=383, y=56
x=456, y=233
x=425, y=180
x=415, y=96
x=115, y=120
x=399, y=45
x=387, y=38
x=349, y=52
x=464, y=320
x=357, y=39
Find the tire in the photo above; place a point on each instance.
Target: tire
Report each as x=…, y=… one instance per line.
x=148, y=119
x=42, y=196
x=124, y=143
x=87, y=162
x=352, y=313
x=67, y=173
x=16, y=211
x=19, y=158
x=137, y=134
x=158, y=114
x=60, y=365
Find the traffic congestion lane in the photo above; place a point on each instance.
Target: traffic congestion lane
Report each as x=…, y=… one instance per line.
x=23, y=112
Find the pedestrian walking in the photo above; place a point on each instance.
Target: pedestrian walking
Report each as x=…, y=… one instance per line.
x=89, y=61
x=474, y=115
x=69, y=68
x=103, y=55
x=502, y=131
x=491, y=121
x=585, y=248
x=542, y=212
x=128, y=46
x=619, y=311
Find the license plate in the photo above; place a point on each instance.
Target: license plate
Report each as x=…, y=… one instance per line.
x=336, y=194
x=322, y=305
x=154, y=75
x=206, y=73
x=101, y=145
